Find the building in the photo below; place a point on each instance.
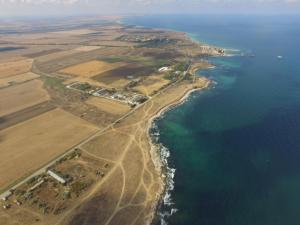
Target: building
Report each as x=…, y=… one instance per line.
x=36, y=185
x=57, y=177
x=6, y=195
x=163, y=69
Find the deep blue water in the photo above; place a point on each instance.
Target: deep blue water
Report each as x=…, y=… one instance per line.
x=236, y=147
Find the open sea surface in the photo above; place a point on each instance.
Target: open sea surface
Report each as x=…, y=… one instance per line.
x=236, y=146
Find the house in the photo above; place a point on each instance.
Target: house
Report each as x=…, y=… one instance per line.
x=57, y=177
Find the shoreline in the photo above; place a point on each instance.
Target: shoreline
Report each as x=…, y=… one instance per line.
x=160, y=161
x=137, y=180
x=156, y=150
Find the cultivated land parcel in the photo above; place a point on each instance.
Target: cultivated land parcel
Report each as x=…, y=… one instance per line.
x=79, y=103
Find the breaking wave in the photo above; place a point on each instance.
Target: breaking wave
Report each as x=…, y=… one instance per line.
x=166, y=208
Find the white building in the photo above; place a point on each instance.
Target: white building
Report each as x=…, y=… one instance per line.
x=57, y=177
x=163, y=69
x=6, y=195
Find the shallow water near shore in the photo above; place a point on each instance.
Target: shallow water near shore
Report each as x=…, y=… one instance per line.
x=236, y=146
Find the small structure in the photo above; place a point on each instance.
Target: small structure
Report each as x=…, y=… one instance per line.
x=36, y=185
x=6, y=195
x=18, y=202
x=6, y=206
x=57, y=177
x=163, y=69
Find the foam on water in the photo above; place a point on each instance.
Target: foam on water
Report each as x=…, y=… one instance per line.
x=166, y=209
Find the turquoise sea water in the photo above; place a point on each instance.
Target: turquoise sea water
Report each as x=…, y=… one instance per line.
x=236, y=147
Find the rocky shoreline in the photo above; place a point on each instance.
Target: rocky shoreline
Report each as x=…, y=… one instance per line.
x=160, y=158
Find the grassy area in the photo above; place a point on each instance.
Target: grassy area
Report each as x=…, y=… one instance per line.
x=170, y=75
x=182, y=66
x=157, y=43
x=54, y=83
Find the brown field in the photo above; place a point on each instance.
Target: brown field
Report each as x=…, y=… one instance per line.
x=7, y=81
x=85, y=80
x=4, y=58
x=55, y=55
x=18, y=97
x=151, y=84
x=15, y=67
x=36, y=54
x=51, y=134
x=73, y=32
x=91, y=68
x=123, y=72
x=87, y=48
x=112, y=43
x=25, y=114
x=109, y=106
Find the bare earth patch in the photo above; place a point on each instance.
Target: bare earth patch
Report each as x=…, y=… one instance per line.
x=7, y=81
x=51, y=134
x=87, y=48
x=109, y=106
x=102, y=146
x=15, y=67
x=91, y=68
x=73, y=32
x=18, y=97
x=152, y=84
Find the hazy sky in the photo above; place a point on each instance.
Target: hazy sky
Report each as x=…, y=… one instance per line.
x=73, y=7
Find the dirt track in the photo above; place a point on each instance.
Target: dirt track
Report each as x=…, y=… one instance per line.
x=48, y=138
x=129, y=192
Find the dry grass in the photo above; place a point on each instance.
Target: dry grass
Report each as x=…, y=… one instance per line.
x=152, y=84
x=18, y=97
x=109, y=106
x=87, y=48
x=120, y=83
x=107, y=146
x=15, y=67
x=55, y=56
x=85, y=80
x=91, y=68
x=34, y=142
x=73, y=32
x=7, y=81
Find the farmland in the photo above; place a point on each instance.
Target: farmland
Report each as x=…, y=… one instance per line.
x=77, y=97
x=152, y=84
x=11, y=80
x=133, y=70
x=90, y=69
x=12, y=68
x=48, y=139
x=109, y=106
x=21, y=96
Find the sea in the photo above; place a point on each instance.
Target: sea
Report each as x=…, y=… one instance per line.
x=233, y=150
